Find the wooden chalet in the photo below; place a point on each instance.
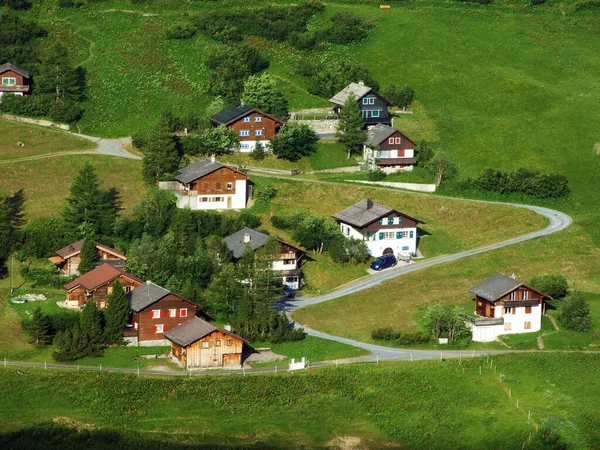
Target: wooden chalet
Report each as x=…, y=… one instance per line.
x=250, y=124
x=388, y=149
x=373, y=106
x=286, y=261
x=97, y=285
x=14, y=80
x=67, y=259
x=504, y=305
x=199, y=344
x=154, y=311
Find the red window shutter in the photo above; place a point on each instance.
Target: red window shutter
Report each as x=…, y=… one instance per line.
x=154, y=328
x=164, y=328
x=151, y=315
x=161, y=313
x=400, y=153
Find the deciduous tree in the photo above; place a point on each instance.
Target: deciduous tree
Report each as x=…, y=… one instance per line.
x=442, y=167
x=262, y=92
x=294, y=141
x=575, y=313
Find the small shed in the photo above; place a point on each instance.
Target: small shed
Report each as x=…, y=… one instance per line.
x=199, y=344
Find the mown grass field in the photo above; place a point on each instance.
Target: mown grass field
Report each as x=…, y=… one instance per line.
x=436, y=405
x=38, y=140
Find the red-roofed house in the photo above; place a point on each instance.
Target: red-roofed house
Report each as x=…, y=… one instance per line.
x=67, y=258
x=97, y=285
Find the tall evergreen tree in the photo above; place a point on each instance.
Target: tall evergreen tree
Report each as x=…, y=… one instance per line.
x=350, y=130
x=91, y=323
x=87, y=202
x=116, y=314
x=262, y=92
x=162, y=156
x=11, y=221
x=39, y=327
x=88, y=255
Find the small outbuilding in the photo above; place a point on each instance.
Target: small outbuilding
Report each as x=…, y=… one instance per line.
x=199, y=344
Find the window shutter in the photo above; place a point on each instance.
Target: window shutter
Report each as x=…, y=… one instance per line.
x=399, y=219
x=164, y=329
x=161, y=313
x=380, y=221
x=151, y=314
x=155, y=328
x=398, y=234
x=411, y=234
x=380, y=236
x=390, y=220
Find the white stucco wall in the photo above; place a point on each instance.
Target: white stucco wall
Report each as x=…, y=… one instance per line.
x=516, y=321
x=376, y=246
x=248, y=146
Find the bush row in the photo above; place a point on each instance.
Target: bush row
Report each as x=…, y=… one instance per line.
x=389, y=334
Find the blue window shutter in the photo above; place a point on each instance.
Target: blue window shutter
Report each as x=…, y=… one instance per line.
x=399, y=219
x=390, y=220
x=380, y=236
x=398, y=234
x=380, y=221
x=411, y=234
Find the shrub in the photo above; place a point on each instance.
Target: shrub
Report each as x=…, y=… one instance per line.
x=294, y=141
x=556, y=286
x=521, y=181
x=575, y=313
x=44, y=277
x=180, y=31
x=281, y=222
x=18, y=4
x=585, y=4
x=385, y=334
x=401, y=97
x=413, y=338
x=424, y=153
x=347, y=28
x=376, y=174
x=265, y=192
x=45, y=235
x=343, y=250
x=537, y=2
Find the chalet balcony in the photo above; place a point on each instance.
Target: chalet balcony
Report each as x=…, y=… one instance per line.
x=376, y=120
x=395, y=161
x=481, y=321
x=129, y=332
x=14, y=88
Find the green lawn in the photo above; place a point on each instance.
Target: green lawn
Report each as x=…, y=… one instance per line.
x=38, y=140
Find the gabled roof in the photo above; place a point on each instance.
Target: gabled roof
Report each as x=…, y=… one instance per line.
x=99, y=276
x=379, y=133
x=146, y=294
x=499, y=285
x=75, y=248
x=193, y=330
x=366, y=212
x=236, y=112
x=358, y=89
x=236, y=241
x=200, y=169
x=8, y=66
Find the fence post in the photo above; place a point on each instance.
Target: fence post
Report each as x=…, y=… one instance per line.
x=45, y=366
x=5, y=361
x=411, y=358
x=336, y=363
x=473, y=354
x=377, y=359
x=100, y=367
x=460, y=359
x=529, y=415
x=138, y=371
x=244, y=370
x=479, y=370
x=509, y=392
x=517, y=403
x=441, y=356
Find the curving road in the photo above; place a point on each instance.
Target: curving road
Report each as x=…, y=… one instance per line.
x=557, y=221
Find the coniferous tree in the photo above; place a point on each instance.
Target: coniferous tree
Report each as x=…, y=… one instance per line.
x=258, y=152
x=39, y=327
x=116, y=314
x=87, y=202
x=162, y=156
x=11, y=220
x=88, y=255
x=350, y=130
x=91, y=323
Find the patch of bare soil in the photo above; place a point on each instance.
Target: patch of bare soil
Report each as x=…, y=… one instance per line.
x=346, y=443
x=67, y=421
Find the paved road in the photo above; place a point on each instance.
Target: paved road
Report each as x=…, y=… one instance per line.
x=557, y=221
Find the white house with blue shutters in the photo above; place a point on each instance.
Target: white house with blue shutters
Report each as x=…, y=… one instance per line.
x=383, y=229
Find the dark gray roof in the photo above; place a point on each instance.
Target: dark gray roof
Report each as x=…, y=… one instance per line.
x=231, y=113
x=236, y=242
x=366, y=212
x=379, y=133
x=197, y=170
x=495, y=287
x=358, y=89
x=194, y=329
x=8, y=66
x=144, y=295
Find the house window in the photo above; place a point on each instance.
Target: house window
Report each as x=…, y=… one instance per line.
x=204, y=186
x=229, y=186
x=204, y=199
x=507, y=310
x=375, y=113
x=398, y=140
x=183, y=312
x=205, y=344
x=401, y=234
x=246, y=119
x=371, y=100
x=228, y=341
x=135, y=325
x=289, y=261
x=8, y=81
x=172, y=313
x=258, y=119
x=216, y=199
x=365, y=114
x=507, y=326
x=527, y=325
x=390, y=140
x=218, y=185
x=244, y=146
x=244, y=132
x=218, y=343
x=259, y=132
x=159, y=328
x=390, y=221
x=156, y=314
x=513, y=295
x=525, y=295
x=528, y=310
x=365, y=101
x=386, y=235
x=110, y=290
x=405, y=248
x=128, y=289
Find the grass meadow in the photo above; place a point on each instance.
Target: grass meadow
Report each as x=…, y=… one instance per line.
x=436, y=405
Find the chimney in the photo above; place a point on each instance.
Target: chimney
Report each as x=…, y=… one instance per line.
x=212, y=158
x=513, y=276
x=227, y=327
x=246, y=238
x=369, y=203
x=361, y=83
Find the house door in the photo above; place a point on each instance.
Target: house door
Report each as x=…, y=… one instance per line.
x=388, y=251
x=229, y=202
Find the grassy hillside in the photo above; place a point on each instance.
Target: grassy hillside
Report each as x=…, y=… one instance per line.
x=37, y=140
x=437, y=405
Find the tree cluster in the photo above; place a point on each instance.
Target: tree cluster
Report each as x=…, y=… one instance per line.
x=346, y=29
x=400, y=96
x=575, y=313
x=262, y=92
x=399, y=338
x=444, y=321
x=19, y=39
x=521, y=181
x=556, y=286
x=294, y=141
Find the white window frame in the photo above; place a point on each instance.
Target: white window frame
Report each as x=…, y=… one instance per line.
x=389, y=235
x=258, y=119
x=371, y=100
x=172, y=312
x=244, y=133
x=365, y=101
x=156, y=313
x=375, y=113
x=229, y=186
x=160, y=328
x=525, y=294
x=244, y=146
x=398, y=140
x=259, y=132
x=247, y=119
x=183, y=312
x=6, y=81
x=205, y=344
x=391, y=140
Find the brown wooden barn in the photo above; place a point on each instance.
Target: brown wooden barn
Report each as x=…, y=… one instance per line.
x=67, y=259
x=199, y=344
x=14, y=80
x=156, y=310
x=97, y=285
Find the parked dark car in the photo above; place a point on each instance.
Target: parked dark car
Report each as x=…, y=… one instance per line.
x=383, y=262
